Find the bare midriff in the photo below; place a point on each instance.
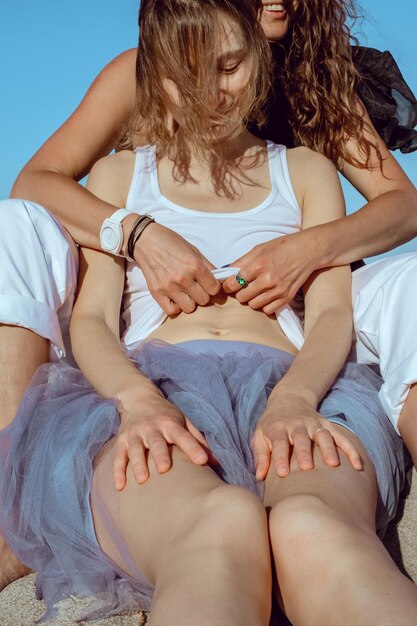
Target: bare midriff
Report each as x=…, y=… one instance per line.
x=225, y=319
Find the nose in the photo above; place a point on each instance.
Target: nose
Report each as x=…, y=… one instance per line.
x=221, y=92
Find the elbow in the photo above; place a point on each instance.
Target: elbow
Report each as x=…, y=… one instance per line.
x=21, y=186
x=411, y=202
x=404, y=199
x=26, y=184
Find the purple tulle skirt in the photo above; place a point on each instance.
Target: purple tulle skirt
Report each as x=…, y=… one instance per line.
x=51, y=454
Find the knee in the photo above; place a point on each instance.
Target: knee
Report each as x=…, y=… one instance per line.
x=305, y=529
x=233, y=517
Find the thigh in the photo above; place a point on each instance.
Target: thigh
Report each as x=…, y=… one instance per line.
x=347, y=492
x=139, y=525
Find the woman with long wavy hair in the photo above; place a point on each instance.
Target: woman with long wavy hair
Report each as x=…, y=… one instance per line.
x=143, y=478
x=323, y=92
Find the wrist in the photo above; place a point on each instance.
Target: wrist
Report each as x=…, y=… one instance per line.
x=127, y=226
x=287, y=390
x=318, y=241
x=141, y=392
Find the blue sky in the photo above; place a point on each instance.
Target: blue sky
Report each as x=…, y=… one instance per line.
x=50, y=51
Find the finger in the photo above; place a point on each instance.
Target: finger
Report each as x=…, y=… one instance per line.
x=182, y=302
x=261, y=455
x=203, y=441
x=208, y=283
x=349, y=449
x=274, y=305
x=119, y=466
x=139, y=463
x=159, y=451
x=303, y=449
x=169, y=307
x=251, y=292
x=324, y=440
x=232, y=285
x=265, y=299
x=198, y=294
x=281, y=455
x=190, y=446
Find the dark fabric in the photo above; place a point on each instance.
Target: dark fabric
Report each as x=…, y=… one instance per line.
x=388, y=99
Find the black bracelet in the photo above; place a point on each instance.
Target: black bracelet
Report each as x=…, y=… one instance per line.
x=137, y=229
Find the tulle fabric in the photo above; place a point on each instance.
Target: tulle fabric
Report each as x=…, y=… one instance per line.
x=48, y=455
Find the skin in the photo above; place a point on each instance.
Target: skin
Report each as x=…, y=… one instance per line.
x=172, y=267
x=309, y=512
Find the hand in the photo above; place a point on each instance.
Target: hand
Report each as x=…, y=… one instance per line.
x=154, y=425
x=290, y=421
x=275, y=271
x=178, y=276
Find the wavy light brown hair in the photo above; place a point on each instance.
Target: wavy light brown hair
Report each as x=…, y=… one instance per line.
x=320, y=79
x=179, y=40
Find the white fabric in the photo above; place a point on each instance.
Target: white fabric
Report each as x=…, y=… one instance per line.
x=220, y=237
x=384, y=295
x=38, y=272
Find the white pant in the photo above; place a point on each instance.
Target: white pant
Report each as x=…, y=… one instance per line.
x=38, y=273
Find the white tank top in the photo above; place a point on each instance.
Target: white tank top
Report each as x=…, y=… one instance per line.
x=220, y=237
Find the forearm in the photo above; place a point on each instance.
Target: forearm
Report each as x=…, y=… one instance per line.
x=75, y=207
x=385, y=222
x=104, y=363
x=320, y=359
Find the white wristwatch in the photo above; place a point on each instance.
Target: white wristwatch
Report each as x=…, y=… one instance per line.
x=111, y=232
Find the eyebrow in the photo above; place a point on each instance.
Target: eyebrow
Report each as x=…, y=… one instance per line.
x=230, y=54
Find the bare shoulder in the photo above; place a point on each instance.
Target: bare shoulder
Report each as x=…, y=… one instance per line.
x=111, y=176
x=308, y=169
x=124, y=63
x=308, y=161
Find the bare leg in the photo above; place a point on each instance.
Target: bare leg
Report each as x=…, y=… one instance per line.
x=407, y=424
x=202, y=543
x=21, y=352
x=331, y=566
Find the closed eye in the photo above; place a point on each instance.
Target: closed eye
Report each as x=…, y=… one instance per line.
x=229, y=69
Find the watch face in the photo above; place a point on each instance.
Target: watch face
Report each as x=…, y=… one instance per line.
x=109, y=238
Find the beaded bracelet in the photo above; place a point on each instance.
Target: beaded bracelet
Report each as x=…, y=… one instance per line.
x=137, y=229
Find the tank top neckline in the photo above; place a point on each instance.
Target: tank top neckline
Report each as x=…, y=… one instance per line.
x=272, y=149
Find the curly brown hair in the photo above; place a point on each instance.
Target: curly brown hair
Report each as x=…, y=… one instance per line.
x=319, y=81
x=179, y=41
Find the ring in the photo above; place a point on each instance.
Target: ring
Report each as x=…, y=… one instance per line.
x=242, y=282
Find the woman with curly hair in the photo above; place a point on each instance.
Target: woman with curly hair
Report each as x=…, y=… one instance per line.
x=106, y=481
x=322, y=96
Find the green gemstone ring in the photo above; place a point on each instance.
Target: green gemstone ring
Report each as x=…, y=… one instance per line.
x=241, y=280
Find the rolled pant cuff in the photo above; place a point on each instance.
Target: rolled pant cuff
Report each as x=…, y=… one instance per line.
x=396, y=387
x=16, y=310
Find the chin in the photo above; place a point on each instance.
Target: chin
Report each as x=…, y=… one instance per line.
x=275, y=30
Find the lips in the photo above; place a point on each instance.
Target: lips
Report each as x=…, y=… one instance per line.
x=276, y=8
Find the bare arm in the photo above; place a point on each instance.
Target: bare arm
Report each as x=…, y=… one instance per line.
x=50, y=177
x=291, y=418
x=148, y=421
x=389, y=218
x=177, y=274
x=277, y=269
